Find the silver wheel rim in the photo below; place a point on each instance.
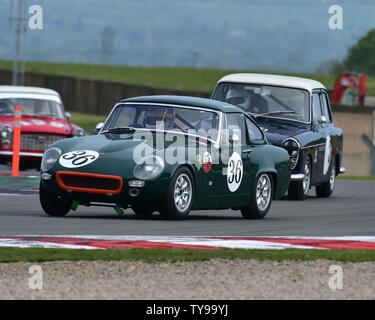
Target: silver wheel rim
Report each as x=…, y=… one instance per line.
x=182, y=192
x=263, y=192
x=332, y=178
x=306, y=180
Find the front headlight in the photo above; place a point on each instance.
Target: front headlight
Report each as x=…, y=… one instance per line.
x=78, y=133
x=6, y=136
x=50, y=157
x=148, y=168
x=293, y=147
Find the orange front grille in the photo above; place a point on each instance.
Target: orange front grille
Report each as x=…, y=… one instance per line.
x=89, y=182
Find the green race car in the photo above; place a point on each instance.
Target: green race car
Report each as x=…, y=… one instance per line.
x=170, y=154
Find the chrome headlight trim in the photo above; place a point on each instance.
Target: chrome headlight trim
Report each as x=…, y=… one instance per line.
x=149, y=167
x=78, y=132
x=50, y=157
x=294, y=156
x=6, y=136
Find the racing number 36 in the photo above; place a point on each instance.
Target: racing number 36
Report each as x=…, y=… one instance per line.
x=234, y=172
x=78, y=158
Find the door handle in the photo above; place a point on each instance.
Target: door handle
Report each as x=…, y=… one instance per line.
x=247, y=151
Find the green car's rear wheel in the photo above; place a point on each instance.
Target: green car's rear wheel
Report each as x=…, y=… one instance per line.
x=178, y=200
x=52, y=204
x=261, y=198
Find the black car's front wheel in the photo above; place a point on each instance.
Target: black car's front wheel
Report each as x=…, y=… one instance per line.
x=178, y=200
x=53, y=204
x=261, y=198
x=326, y=189
x=298, y=190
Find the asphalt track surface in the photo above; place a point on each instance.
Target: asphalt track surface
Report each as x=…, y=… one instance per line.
x=349, y=212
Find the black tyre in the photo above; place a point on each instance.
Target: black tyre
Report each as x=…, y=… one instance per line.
x=298, y=190
x=143, y=211
x=178, y=200
x=261, y=198
x=52, y=204
x=326, y=189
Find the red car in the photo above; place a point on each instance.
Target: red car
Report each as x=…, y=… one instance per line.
x=43, y=122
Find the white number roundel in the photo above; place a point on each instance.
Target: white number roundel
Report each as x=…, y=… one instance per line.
x=234, y=172
x=78, y=158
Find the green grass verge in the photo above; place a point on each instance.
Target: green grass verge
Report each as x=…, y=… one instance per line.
x=174, y=255
x=86, y=121
x=365, y=178
x=191, y=79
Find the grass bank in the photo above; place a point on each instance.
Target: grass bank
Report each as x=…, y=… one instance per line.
x=191, y=79
x=173, y=255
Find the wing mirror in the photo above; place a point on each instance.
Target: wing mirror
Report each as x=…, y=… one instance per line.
x=322, y=120
x=68, y=115
x=99, y=126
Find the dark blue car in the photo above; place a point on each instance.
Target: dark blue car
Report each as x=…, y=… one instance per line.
x=294, y=113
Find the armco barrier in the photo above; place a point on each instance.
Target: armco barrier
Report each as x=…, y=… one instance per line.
x=91, y=96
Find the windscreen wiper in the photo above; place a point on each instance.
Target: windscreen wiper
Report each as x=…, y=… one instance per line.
x=272, y=112
x=120, y=129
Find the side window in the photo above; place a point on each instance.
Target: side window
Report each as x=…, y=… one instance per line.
x=254, y=132
x=236, y=125
x=326, y=108
x=317, y=110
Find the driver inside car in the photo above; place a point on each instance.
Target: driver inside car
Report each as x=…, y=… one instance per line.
x=155, y=116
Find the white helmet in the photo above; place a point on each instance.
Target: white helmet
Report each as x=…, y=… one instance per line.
x=238, y=97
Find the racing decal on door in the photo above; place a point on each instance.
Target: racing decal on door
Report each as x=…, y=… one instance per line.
x=78, y=158
x=234, y=172
x=327, y=155
x=207, y=162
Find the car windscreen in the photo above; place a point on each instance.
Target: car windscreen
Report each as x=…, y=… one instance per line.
x=272, y=101
x=35, y=107
x=152, y=117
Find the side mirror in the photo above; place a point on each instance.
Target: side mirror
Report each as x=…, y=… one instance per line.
x=99, y=127
x=322, y=120
x=68, y=115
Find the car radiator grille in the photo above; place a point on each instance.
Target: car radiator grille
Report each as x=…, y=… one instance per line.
x=38, y=142
x=89, y=182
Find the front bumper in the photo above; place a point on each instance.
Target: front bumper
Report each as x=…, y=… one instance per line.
x=297, y=177
x=129, y=192
x=22, y=154
x=301, y=176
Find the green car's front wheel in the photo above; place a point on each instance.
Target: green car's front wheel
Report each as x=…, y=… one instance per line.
x=178, y=200
x=52, y=204
x=261, y=198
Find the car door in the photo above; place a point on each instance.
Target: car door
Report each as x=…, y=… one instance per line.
x=320, y=139
x=329, y=132
x=238, y=168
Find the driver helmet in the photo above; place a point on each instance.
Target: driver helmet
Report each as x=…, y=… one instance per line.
x=154, y=116
x=238, y=97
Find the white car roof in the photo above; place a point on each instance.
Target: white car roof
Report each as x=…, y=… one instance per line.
x=274, y=80
x=32, y=90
